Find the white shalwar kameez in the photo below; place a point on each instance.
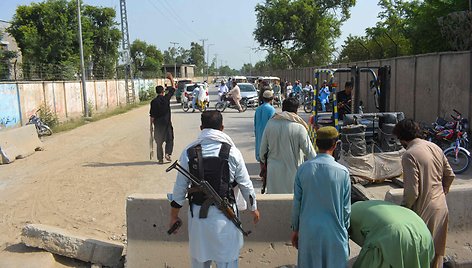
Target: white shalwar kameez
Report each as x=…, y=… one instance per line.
x=215, y=238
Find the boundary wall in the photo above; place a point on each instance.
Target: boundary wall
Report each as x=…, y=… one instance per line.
x=422, y=86
x=19, y=100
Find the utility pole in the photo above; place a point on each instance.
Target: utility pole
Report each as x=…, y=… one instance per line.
x=208, y=59
x=216, y=63
x=130, y=96
x=203, y=46
x=250, y=60
x=175, y=58
x=82, y=65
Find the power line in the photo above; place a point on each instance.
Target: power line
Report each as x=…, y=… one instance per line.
x=178, y=23
x=177, y=16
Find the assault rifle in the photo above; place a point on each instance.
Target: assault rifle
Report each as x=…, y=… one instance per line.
x=221, y=203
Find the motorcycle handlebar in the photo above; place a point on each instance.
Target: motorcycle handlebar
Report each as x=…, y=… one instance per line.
x=456, y=112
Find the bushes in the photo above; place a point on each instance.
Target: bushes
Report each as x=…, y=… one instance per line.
x=47, y=115
x=149, y=94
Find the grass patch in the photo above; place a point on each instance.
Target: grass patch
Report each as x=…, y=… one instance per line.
x=75, y=123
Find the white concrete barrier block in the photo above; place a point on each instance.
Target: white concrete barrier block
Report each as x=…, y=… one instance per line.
x=458, y=200
x=61, y=242
x=18, y=143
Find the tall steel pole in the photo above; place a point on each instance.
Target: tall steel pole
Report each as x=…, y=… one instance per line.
x=175, y=59
x=208, y=59
x=203, y=46
x=130, y=95
x=82, y=65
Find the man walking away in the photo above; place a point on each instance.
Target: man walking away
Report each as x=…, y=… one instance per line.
x=161, y=119
x=427, y=177
x=390, y=236
x=322, y=207
x=235, y=93
x=286, y=143
x=212, y=236
x=261, y=117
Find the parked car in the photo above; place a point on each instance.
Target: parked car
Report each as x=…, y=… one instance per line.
x=180, y=88
x=249, y=94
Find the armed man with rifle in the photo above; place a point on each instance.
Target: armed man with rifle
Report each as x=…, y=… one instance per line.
x=210, y=168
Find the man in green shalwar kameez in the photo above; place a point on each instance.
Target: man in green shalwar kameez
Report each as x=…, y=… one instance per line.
x=390, y=236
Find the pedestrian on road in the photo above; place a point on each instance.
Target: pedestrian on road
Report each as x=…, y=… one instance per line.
x=212, y=236
x=286, y=143
x=160, y=119
x=261, y=117
x=390, y=236
x=427, y=177
x=235, y=93
x=322, y=207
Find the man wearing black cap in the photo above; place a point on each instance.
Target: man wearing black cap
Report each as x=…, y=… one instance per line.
x=322, y=207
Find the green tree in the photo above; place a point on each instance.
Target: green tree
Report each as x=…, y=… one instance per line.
x=227, y=71
x=46, y=34
x=405, y=28
x=104, y=37
x=147, y=59
x=306, y=29
x=5, y=57
x=197, y=57
x=247, y=69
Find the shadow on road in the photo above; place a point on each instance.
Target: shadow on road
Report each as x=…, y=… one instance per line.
x=21, y=248
x=122, y=164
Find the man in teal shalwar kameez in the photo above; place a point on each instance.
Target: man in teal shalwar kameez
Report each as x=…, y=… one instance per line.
x=321, y=207
x=390, y=236
x=261, y=117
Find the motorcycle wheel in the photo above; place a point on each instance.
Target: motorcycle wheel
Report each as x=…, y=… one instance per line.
x=185, y=107
x=44, y=131
x=308, y=108
x=243, y=105
x=220, y=106
x=460, y=164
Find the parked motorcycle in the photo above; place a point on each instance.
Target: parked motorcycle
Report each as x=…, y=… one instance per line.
x=228, y=102
x=453, y=138
x=41, y=127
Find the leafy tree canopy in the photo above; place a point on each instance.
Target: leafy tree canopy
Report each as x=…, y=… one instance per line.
x=406, y=28
x=46, y=33
x=147, y=59
x=302, y=31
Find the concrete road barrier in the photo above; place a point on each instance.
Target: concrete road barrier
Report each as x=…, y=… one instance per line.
x=18, y=143
x=149, y=245
x=61, y=242
x=458, y=199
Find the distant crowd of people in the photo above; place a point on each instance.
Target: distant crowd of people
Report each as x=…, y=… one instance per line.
x=412, y=235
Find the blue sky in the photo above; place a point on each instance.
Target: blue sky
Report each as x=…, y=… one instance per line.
x=228, y=25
